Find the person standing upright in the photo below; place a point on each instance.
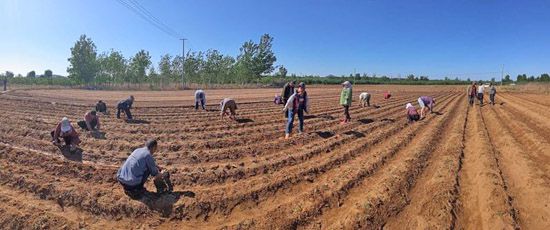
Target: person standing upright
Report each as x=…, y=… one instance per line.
x=296, y=104
x=492, y=93
x=471, y=92
x=480, y=90
x=345, y=100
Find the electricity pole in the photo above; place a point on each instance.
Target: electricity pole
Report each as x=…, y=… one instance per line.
x=183, y=63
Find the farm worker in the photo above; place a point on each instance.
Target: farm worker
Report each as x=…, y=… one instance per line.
x=426, y=102
x=387, y=95
x=303, y=85
x=101, y=107
x=345, y=100
x=138, y=167
x=66, y=131
x=288, y=90
x=480, y=90
x=471, y=92
x=200, y=96
x=412, y=114
x=296, y=104
x=90, y=122
x=228, y=104
x=277, y=100
x=125, y=105
x=364, y=98
x=492, y=92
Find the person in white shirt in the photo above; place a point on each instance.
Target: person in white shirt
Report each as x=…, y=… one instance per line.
x=480, y=93
x=200, y=97
x=364, y=97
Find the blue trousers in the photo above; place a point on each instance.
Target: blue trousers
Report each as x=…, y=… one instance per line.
x=290, y=121
x=197, y=104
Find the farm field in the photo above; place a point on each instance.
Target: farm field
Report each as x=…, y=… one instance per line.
x=460, y=168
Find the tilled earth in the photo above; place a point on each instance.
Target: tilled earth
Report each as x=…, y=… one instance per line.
x=460, y=168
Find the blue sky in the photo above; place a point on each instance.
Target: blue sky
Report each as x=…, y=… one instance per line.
x=435, y=38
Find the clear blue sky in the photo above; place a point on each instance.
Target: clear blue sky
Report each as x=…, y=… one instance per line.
x=311, y=36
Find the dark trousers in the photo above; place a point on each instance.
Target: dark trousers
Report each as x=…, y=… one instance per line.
x=83, y=125
x=126, y=110
x=471, y=99
x=197, y=104
x=290, y=121
x=66, y=139
x=492, y=98
x=346, y=112
x=480, y=97
x=412, y=118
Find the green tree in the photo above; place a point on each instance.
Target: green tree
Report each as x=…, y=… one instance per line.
x=545, y=77
x=31, y=74
x=9, y=74
x=83, y=65
x=138, y=66
x=48, y=73
x=164, y=67
x=506, y=79
x=116, y=67
x=282, y=71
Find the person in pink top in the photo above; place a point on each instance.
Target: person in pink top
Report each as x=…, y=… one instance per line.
x=90, y=122
x=412, y=114
x=66, y=131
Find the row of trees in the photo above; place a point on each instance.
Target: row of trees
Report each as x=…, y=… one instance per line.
x=210, y=67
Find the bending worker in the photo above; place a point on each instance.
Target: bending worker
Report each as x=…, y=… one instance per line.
x=426, y=103
x=138, y=167
x=200, y=97
x=228, y=104
x=125, y=106
x=364, y=98
x=90, y=122
x=66, y=131
x=101, y=107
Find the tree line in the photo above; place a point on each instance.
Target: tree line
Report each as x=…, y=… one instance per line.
x=210, y=67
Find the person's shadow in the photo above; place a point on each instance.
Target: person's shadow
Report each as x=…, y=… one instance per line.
x=244, y=120
x=164, y=202
x=137, y=121
x=98, y=135
x=71, y=155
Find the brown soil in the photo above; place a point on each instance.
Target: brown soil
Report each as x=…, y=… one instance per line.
x=461, y=167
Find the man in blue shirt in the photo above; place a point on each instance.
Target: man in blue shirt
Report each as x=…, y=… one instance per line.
x=125, y=106
x=138, y=167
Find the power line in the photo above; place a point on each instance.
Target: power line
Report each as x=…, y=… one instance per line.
x=135, y=7
x=148, y=13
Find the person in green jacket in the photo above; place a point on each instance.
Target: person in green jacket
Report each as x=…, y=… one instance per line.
x=345, y=100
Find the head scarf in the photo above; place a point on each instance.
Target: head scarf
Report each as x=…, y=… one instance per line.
x=65, y=125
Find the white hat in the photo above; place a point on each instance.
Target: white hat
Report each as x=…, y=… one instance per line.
x=65, y=125
x=408, y=105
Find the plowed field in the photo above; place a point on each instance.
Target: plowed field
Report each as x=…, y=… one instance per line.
x=460, y=168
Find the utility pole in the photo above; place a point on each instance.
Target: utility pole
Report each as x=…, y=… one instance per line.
x=183, y=63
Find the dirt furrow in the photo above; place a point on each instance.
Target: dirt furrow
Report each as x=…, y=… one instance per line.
x=526, y=177
x=430, y=201
x=383, y=193
x=484, y=202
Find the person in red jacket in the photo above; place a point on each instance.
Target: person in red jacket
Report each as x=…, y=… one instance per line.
x=66, y=131
x=387, y=95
